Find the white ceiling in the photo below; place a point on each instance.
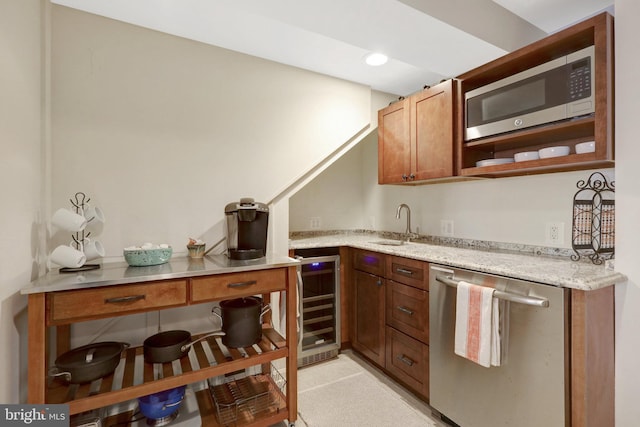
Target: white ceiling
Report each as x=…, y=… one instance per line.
x=427, y=40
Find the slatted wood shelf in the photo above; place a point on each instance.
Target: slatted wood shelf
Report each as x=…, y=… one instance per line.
x=135, y=378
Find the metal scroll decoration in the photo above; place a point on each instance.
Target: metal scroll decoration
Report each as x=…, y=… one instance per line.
x=593, y=229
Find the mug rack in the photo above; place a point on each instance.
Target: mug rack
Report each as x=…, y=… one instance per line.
x=80, y=202
x=593, y=225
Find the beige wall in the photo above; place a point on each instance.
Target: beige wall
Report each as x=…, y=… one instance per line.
x=124, y=113
x=20, y=181
x=163, y=132
x=627, y=213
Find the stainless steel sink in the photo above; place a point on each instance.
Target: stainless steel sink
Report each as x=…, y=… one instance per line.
x=388, y=242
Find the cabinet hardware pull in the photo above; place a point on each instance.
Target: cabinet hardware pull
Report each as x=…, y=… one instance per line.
x=404, y=177
x=404, y=271
x=118, y=300
x=405, y=310
x=241, y=284
x=412, y=177
x=379, y=283
x=404, y=359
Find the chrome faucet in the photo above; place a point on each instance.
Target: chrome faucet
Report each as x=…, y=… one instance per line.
x=408, y=230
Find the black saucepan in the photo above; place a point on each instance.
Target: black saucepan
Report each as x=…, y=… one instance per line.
x=241, y=321
x=168, y=346
x=89, y=362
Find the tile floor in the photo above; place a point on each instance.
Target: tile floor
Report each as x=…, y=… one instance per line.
x=348, y=391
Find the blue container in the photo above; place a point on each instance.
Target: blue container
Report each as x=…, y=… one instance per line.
x=161, y=404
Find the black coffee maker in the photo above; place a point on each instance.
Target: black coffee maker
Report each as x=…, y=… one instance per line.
x=246, y=229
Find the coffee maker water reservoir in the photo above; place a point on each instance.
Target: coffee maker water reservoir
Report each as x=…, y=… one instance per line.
x=246, y=229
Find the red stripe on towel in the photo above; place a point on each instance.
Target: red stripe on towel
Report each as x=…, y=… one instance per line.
x=473, y=323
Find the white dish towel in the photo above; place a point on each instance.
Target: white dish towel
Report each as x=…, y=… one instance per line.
x=478, y=325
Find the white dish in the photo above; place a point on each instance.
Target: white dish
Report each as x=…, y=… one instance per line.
x=586, y=147
x=526, y=155
x=549, y=152
x=493, y=162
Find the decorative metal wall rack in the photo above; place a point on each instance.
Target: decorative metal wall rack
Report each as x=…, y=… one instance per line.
x=593, y=229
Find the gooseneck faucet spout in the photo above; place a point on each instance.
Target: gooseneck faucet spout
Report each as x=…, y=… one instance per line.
x=408, y=230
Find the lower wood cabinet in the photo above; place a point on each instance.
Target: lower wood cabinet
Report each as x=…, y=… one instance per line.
x=391, y=316
x=368, y=321
x=408, y=360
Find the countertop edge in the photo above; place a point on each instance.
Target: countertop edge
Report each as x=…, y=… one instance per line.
x=119, y=273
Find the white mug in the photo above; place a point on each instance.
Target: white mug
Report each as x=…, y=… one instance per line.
x=67, y=256
x=93, y=249
x=94, y=214
x=68, y=220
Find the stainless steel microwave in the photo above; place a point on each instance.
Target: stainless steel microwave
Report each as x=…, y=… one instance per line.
x=557, y=90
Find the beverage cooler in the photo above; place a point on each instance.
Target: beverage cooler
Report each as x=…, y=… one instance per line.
x=319, y=305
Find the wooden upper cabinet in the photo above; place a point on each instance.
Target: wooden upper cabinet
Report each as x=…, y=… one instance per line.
x=394, y=144
x=416, y=137
x=432, y=135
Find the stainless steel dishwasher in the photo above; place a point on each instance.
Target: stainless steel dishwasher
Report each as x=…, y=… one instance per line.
x=530, y=387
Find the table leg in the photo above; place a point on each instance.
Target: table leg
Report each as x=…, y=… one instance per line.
x=37, y=345
x=292, y=343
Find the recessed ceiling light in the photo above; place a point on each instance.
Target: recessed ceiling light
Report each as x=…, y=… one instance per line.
x=374, y=59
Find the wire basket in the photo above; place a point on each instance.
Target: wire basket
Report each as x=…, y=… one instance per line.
x=242, y=398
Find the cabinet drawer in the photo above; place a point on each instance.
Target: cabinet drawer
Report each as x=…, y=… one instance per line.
x=408, y=360
x=370, y=262
x=408, y=271
x=407, y=309
x=115, y=300
x=235, y=285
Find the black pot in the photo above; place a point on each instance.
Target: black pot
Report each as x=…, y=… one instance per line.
x=170, y=345
x=241, y=321
x=90, y=362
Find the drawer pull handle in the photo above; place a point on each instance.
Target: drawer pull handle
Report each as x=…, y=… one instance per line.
x=404, y=359
x=120, y=300
x=404, y=271
x=405, y=310
x=241, y=284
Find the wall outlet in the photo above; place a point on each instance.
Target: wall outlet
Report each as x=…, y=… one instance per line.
x=446, y=227
x=554, y=233
x=315, y=223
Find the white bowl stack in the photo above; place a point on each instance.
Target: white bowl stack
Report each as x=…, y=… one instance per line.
x=547, y=153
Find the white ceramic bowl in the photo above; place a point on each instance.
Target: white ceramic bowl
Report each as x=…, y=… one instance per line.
x=493, y=162
x=586, y=147
x=526, y=155
x=548, y=152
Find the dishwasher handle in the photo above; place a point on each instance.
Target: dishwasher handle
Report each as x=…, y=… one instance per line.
x=507, y=296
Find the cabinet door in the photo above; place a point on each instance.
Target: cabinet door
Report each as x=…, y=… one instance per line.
x=394, y=143
x=432, y=137
x=369, y=316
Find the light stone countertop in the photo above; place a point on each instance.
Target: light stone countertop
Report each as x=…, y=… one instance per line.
x=119, y=273
x=550, y=270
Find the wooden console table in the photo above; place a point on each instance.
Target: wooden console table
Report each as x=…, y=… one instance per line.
x=59, y=300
